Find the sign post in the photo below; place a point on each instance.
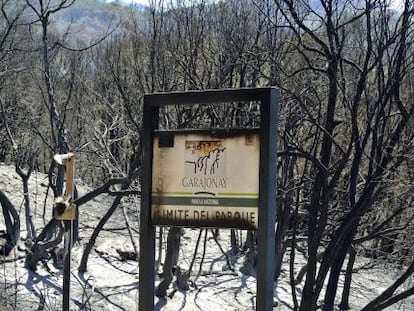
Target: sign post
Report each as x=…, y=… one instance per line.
x=210, y=178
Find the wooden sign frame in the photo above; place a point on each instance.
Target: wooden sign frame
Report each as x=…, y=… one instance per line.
x=268, y=99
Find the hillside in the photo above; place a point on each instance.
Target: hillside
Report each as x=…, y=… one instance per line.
x=111, y=282
x=89, y=20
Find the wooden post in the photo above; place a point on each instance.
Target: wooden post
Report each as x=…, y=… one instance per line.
x=67, y=217
x=69, y=168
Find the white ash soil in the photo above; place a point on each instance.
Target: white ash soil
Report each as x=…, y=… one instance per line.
x=112, y=284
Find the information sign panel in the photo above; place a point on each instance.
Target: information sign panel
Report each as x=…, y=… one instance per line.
x=206, y=180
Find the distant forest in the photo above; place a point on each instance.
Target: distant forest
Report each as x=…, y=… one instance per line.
x=73, y=77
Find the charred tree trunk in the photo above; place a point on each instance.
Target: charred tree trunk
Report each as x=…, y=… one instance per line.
x=45, y=241
x=386, y=298
x=250, y=260
x=171, y=259
x=334, y=277
x=282, y=226
x=344, y=305
x=12, y=221
x=30, y=227
x=85, y=256
x=233, y=242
